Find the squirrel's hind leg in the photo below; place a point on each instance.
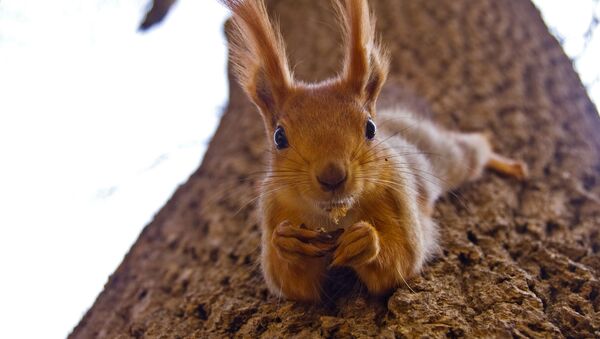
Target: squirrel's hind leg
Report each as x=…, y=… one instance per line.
x=510, y=167
x=479, y=146
x=455, y=157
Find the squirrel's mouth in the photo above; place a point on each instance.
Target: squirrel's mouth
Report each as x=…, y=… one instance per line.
x=330, y=205
x=337, y=209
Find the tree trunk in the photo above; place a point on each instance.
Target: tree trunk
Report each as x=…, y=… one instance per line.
x=518, y=258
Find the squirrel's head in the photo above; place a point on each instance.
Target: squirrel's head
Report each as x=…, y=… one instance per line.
x=323, y=135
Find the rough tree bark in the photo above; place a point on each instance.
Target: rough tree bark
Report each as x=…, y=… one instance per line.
x=518, y=258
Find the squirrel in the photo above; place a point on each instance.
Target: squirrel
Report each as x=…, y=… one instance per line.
x=339, y=192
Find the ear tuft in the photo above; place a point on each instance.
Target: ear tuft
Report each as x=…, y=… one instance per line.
x=258, y=56
x=378, y=71
x=367, y=62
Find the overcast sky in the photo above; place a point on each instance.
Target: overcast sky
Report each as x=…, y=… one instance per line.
x=98, y=126
x=569, y=21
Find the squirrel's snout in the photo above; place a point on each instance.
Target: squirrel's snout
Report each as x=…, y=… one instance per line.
x=332, y=177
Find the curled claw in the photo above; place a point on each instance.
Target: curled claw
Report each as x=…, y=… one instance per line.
x=329, y=237
x=357, y=246
x=302, y=234
x=291, y=248
x=307, y=235
x=293, y=243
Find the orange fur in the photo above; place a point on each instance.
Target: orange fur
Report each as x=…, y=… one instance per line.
x=366, y=63
x=258, y=56
x=388, y=184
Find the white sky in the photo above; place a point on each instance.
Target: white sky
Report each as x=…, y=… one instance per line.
x=569, y=20
x=98, y=126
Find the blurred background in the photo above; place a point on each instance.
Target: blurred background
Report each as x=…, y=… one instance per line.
x=100, y=123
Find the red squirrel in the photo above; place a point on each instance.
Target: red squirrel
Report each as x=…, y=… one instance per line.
x=340, y=192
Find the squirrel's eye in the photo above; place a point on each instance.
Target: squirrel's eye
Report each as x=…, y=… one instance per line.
x=280, y=138
x=370, y=129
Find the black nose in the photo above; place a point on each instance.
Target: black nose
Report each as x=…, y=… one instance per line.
x=332, y=177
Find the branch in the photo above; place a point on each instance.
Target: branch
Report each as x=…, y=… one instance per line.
x=156, y=14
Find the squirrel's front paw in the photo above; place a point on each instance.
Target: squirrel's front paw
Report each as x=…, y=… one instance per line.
x=358, y=245
x=293, y=243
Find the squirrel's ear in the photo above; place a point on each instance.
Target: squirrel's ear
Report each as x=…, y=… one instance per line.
x=258, y=57
x=366, y=63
